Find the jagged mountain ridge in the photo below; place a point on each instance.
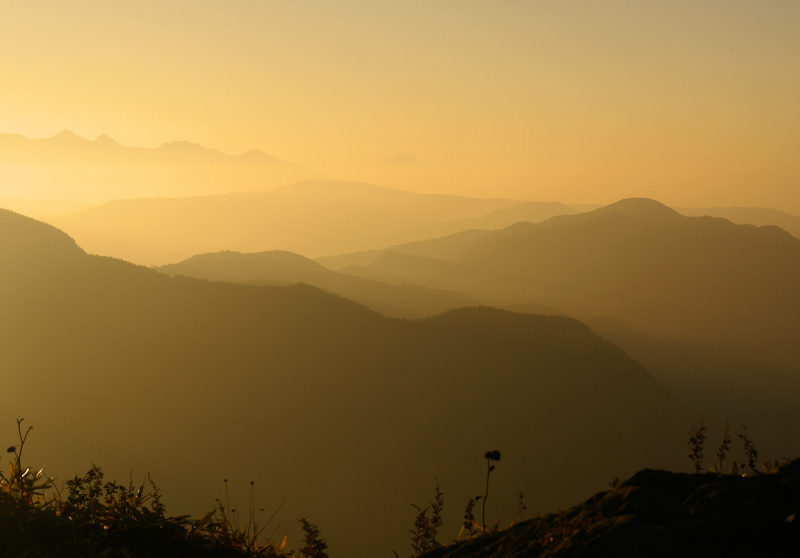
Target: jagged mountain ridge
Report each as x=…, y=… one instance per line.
x=105, y=148
x=70, y=168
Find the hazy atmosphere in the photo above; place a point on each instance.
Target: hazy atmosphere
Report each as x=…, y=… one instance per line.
x=329, y=258
x=581, y=102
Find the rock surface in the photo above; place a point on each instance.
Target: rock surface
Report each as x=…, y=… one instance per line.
x=661, y=514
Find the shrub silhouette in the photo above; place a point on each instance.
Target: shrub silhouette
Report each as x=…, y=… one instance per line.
x=749, y=450
x=696, y=443
x=314, y=547
x=100, y=518
x=426, y=528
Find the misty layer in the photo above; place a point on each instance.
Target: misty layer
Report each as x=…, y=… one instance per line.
x=340, y=410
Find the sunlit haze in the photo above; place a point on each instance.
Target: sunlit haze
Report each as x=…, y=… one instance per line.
x=333, y=259
x=693, y=104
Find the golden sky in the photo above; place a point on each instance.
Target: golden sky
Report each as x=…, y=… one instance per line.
x=691, y=103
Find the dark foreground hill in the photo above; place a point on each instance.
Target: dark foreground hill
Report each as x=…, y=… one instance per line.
x=344, y=413
x=659, y=514
x=285, y=268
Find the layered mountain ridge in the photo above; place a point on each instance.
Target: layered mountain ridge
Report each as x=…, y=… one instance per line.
x=345, y=413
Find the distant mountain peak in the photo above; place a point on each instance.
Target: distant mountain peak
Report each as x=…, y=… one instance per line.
x=402, y=160
x=67, y=136
x=103, y=139
x=639, y=206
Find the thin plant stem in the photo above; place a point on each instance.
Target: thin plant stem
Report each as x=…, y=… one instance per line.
x=488, y=472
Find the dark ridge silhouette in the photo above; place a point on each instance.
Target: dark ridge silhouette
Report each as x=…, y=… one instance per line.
x=531, y=212
x=640, y=207
x=341, y=411
x=715, y=306
x=636, y=260
x=660, y=514
x=533, y=308
x=437, y=248
x=284, y=268
x=759, y=216
x=23, y=236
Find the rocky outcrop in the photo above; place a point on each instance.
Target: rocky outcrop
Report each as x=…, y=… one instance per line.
x=661, y=514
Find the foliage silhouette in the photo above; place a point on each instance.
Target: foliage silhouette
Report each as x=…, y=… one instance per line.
x=749, y=450
x=426, y=528
x=314, y=546
x=696, y=443
x=105, y=518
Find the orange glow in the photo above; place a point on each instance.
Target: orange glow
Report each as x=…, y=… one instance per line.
x=691, y=105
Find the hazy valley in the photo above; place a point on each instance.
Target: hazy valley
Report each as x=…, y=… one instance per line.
x=340, y=390
x=390, y=279
x=347, y=409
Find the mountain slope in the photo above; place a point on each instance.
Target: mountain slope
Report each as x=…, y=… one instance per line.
x=759, y=216
x=345, y=413
x=636, y=260
x=711, y=308
x=311, y=218
x=283, y=268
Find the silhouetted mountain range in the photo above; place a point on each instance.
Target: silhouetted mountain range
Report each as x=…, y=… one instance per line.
x=710, y=307
x=344, y=412
x=69, y=167
x=105, y=149
x=311, y=218
x=285, y=268
x=759, y=216
x=636, y=260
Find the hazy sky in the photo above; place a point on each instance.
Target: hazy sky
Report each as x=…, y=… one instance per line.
x=692, y=103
